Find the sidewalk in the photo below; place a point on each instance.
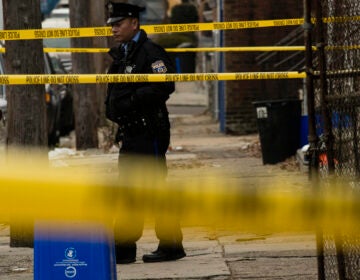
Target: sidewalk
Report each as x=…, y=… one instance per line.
x=198, y=147
x=188, y=94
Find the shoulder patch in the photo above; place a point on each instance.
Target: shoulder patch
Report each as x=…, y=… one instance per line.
x=159, y=67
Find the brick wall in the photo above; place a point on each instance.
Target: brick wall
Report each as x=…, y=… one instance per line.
x=239, y=95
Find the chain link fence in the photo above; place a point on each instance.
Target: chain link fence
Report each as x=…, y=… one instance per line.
x=337, y=121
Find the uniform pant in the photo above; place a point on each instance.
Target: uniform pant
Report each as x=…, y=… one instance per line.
x=142, y=172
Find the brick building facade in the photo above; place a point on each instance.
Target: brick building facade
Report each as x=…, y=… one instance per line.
x=240, y=117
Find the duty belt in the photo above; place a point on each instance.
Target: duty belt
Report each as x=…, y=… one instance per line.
x=133, y=125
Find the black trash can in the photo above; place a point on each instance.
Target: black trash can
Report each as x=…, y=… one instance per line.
x=279, y=128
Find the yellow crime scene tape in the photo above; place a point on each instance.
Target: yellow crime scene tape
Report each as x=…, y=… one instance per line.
x=214, y=49
x=150, y=29
x=37, y=191
x=142, y=78
x=258, y=49
x=343, y=19
x=77, y=50
x=239, y=49
x=157, y=29
x=210, y=49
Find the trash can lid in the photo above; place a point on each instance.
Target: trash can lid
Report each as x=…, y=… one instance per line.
x=275, y=102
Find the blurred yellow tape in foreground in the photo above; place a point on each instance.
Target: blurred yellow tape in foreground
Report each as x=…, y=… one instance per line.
x=141, y=78
x=36, y=191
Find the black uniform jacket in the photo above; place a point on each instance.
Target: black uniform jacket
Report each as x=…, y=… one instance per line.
x=127, y=103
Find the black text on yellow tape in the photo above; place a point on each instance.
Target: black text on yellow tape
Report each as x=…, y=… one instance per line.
x=343, y=19
x=164, y=28
x=211, y=49
x=54, y=33
x=106, y=31
x=141, y=78
x=220, y=25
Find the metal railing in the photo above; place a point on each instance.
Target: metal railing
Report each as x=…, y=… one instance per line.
x=333, y=86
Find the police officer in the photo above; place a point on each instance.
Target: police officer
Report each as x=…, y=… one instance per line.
x=140, y=111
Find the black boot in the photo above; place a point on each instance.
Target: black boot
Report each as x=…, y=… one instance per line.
x=125, y=253
x=165, y=253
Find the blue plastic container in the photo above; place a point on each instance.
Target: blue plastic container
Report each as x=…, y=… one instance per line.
x=339, y=120
x=73, y=251
x=304, y=131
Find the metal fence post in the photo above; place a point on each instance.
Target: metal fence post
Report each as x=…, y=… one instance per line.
x=312, y=137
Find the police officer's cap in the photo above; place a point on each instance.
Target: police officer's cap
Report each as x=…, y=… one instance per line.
x=119, y=11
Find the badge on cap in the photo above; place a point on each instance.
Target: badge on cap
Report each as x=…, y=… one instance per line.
x=159, y=67
x=110, y=8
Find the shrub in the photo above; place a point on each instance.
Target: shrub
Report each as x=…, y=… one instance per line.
x=184, y=13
